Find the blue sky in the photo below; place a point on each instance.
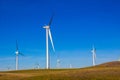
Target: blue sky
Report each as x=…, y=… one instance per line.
x=76, y=26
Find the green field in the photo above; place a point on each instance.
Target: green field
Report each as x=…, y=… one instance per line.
x=107, y=71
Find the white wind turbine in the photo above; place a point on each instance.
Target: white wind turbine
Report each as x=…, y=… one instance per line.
x=17, y=54
x=58, y=63
x=37, y=66
x=48, y=33
x=119, y=59
x=94, y=56
x=70, y=65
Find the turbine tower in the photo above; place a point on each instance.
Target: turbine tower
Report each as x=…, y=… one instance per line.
x=94, y=56
x=17, y=54
x=48, y=33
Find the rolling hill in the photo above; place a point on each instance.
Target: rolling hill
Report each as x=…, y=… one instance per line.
x=111, y=64
x=105, y=71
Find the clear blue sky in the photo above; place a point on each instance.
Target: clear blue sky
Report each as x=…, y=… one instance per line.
x=77, y=25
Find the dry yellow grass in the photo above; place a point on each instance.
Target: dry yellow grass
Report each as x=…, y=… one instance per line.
x=101, y=72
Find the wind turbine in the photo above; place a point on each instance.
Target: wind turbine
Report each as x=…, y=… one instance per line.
x=8, y=67
x=37, y=66
x=58, y=63
x=70, y=65
x=119, y=59
x=17, y=54
x=94, y=56
x=48, y=33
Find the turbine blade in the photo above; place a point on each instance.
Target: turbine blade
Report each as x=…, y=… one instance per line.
x=93, y=47
x=50, y=20
x=16, y=46
x=21, y=54
x=51, y=40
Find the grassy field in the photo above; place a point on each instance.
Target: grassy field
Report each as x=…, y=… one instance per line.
x=107, y=71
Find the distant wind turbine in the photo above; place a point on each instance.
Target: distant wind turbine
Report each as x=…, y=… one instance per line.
x=17, y=54
x=70, y=65
x=94, y=56
x=8, y=67
x=119, y=59
x=48, y=33
x=58, y=63
x=37, y=66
